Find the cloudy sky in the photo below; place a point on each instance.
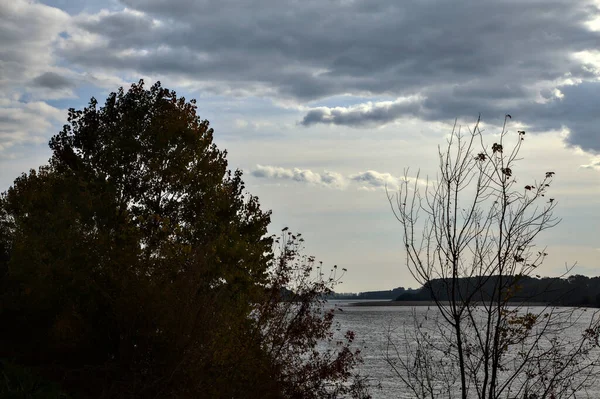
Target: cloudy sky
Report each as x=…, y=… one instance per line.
x=325, y=102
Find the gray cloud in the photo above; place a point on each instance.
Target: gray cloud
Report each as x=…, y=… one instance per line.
x=459, y=58
x=28, y=33
x=577, y=109
x=453, y=59
x=26, y=42
x=52, y=80
x=574, y=106
x=371, y=178
x=381, y=47
x=364, y=114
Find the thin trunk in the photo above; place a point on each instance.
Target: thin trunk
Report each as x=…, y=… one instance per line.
x=496, y=346
x=461, y=358
x=501, y=262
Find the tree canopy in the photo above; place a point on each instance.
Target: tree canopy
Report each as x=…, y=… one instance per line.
x=133, y=263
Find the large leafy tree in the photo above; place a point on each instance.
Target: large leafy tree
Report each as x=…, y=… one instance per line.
x=131, y=262
x=133, y=265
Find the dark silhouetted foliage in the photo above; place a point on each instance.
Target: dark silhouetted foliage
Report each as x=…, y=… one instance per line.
x=576, y=290
x=133, y=264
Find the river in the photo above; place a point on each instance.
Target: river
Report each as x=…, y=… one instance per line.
x=374, y=324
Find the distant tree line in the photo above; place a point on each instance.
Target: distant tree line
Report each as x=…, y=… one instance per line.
x=576, y=290
x=381, y=295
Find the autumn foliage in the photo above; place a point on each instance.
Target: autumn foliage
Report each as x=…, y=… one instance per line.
x=135, y=265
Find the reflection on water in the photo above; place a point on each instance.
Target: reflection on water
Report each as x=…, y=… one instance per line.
x=372, y=324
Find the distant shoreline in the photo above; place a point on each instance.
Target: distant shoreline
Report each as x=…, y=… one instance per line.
x=393, y=303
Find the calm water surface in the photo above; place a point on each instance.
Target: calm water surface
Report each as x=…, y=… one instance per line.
x=372, y=325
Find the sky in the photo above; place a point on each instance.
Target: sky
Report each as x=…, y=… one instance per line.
x=324, y=103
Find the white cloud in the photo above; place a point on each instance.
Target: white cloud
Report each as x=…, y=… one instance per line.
x=594, y=164
x=369, y=180
x=253, y=125
x=23, y=123
x=327, y=179
x=373, y=179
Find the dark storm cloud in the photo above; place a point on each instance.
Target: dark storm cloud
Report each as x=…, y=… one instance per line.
x=444, y=102
x=309, y=50
x=51, y=80
x=459, y=58
x=578, y=109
